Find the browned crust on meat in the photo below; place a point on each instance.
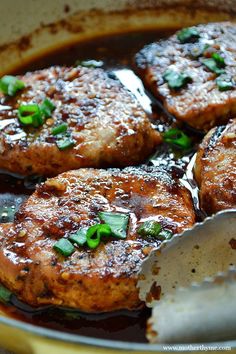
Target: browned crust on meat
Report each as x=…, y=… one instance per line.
x=200, y=103
x=215, y=169
x=97, y=280
x=107, y=124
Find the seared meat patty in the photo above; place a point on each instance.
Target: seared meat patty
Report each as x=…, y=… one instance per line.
x=215, y=169
x=92, y=280
x=105, y=122
x=200, y=102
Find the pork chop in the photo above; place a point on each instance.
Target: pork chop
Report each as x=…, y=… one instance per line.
x=215, y=169
x=193, y=73
x=105, y=125
x=92, y=280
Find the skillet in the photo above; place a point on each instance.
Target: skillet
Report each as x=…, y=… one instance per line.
x=31, y=29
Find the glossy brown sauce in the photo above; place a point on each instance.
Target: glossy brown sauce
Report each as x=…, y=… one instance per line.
x=111, y=53
x=116, y=51
x=121, y=325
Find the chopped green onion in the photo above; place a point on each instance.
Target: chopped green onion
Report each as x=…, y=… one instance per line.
x=30, y=114
x=65, y=143
x=224, y=84
x=5, y=294
x=72, y=314
x=89, y=63
x=64, y=247
x=104, y=230
x=95, y=233
x=176, y=80
x=93, y=237
x=153, y=228
x=165, y=235
x=177, y=138
x=189, y=34
x=9, y=85
x=79, y=237
x=33, y=114
x=47, y=107
x=218, y=59
x=60, y=129
x=150, y=228
x=213, y=66
x=117, y=222
x=7, y=213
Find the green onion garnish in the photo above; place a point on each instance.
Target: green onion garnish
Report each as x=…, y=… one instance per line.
x=47, y=107
x=152, y=228
x=59, y=129
x=30, y=114
x=177, y=138
x=95, y=233
x=89, y=63
x=176, y=80
x=149, y=228
x=118, y=223
x=33, y=114
x=64, y=247
x=9, y=85
x=218, y=59
x=165, y=235
x=7, y=213
x=213, y=66
x=224, y=84
x=65, y=143
x=5, y=294
x=71, y=314
x=187, y=35
x=93, y=237
x=115, y=225
x=79, y=237
x=104, y=230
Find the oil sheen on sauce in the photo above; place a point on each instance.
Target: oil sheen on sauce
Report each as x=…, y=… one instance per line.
x=114, y=54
